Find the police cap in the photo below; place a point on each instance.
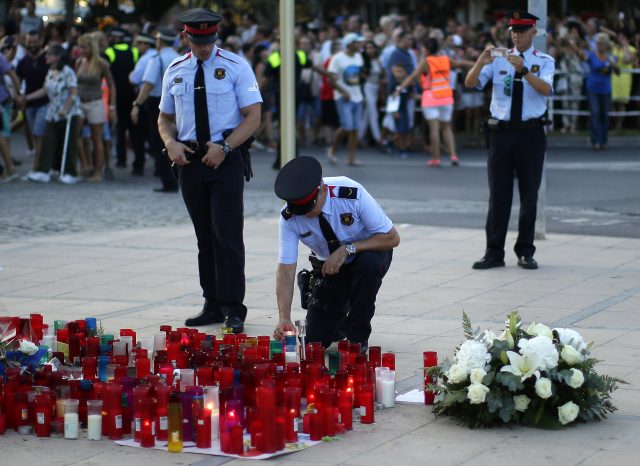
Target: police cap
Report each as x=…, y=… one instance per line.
x=201, y=25
x=521, y=20
x=298, y=183
x=145, y=38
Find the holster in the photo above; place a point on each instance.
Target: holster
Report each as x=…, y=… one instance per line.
x=320, y=292
x=243, y=150
x=304, y=278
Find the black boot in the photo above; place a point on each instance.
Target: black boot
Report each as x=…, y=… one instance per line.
x=209, y=315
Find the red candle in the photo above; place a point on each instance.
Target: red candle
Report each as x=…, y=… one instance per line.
x=147, y=439
x=36, y=327
x=236, y=441
x=3, y=424
x=62, y=335
x=143, y=367
x=205, y=375
x=281, y=417
x=93, y=347
x=345, y=408
x=375, y=355
x=315, y=426
x=366, y=404
x=430, y=359
x=166, y=373
x=89, y=367
x=203, y=429
x=127, y=332
x=162, y=412
x=43, y=415
x=291, y=428
x=389, y=360
x=226, y=377
x=292, y=397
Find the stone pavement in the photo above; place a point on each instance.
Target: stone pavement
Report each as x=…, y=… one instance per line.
x=141, y=278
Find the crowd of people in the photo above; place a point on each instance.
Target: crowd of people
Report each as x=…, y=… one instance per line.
x=83, y=96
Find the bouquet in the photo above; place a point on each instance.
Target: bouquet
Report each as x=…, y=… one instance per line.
x=533, y=376
x=16, y=352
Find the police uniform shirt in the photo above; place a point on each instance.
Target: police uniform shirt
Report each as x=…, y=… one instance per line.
x=501, y=72
x=230, y=83
x=156, y=68
x=138, y=71
x=351, y=211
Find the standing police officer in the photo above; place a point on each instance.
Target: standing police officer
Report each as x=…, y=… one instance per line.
x=522, y=80
x=210, y=106
x=351, y=240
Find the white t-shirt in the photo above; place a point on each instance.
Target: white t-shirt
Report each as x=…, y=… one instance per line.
x=347, y=69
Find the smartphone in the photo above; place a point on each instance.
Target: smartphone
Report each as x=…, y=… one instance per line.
x=499, y=52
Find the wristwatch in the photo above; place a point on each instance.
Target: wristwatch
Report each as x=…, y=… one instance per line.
x=226, y=148
x=524, y=71
x=351, y=249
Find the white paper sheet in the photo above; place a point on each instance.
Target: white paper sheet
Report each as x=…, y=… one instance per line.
x=413, y=396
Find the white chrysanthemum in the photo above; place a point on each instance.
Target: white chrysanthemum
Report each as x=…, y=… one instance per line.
x=571, y=337
x=472, y=355
x=542, y=347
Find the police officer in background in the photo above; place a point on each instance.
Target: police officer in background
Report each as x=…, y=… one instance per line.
x=522, y=80
x=351, y=240
x=210, y=106
x=148, y=101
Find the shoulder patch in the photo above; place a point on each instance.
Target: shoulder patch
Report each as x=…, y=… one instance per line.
x=186, y=57
x=345, y=192
x=286, y=214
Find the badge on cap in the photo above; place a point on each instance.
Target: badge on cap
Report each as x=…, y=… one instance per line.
x=535, y=68
x=346, y=219
x=219, y=73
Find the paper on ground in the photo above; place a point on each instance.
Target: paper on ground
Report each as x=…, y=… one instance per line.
x=190, y=447
x=413, y=396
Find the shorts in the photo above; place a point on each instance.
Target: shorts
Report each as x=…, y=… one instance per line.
x=93, y=111
x=350, y=114
x=329, y=114
x=441, y=113
x=6, y=120
x=36, y=119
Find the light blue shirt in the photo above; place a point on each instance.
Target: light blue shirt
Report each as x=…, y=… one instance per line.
x=351, y=220
x=534, y=104
x=156, y=68
x=138, y=71
x=230, y=83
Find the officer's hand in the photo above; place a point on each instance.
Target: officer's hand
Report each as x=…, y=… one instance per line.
x=516, y=61
x=134, y=115
x=333, y=263
x=485, y=57
x=214, y=157
x=177, y=152
x=285, y=325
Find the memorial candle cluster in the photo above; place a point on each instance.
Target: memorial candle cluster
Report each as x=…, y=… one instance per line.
x=180, y=385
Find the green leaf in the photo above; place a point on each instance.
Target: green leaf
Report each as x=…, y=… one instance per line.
x=508, y=409
x=493, y=401
x=511, y=381
x=466, y=326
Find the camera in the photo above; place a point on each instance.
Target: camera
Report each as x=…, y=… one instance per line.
x=499, y=52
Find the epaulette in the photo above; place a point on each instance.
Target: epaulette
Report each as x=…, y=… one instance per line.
x=286, y=214
x=186, y=57
x=540, y=54
x=345, y=192
x=218, y=54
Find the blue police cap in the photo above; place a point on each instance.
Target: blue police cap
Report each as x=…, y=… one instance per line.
x=521, y=20
x=201, y=25
x=298, y=183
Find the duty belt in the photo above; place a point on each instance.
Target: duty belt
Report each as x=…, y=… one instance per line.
x=507, y=125
x=198, y=151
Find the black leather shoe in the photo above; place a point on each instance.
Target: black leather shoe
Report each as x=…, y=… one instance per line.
x=207, y=316
x=235, y=323
x=488, y=262
x=166, y=189
x=527, y=262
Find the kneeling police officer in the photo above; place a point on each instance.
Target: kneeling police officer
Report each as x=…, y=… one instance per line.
x=351, y=241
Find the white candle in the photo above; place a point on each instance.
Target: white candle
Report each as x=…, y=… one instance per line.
x=71, y=425
x=388, y=389
x=379, y=371
x=94, y=426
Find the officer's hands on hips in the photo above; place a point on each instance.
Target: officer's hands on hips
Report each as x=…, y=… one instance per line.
x=285, y=325
x=516, y=61
x=177, y=152
x=485, y=57
x=333, y=263
x=215, y=156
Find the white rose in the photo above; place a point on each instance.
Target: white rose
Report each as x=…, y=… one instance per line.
x=521, y=402
x=477, y=375
x=488, y=338
x=570, y=355
x=28, y=348
x=457, y=374
x=472, y=354
x=568, y=412
x=477, y=393
x=571, y=337
x=543, y=387
x=577, y=378
x=542, y=347
x=536, y=329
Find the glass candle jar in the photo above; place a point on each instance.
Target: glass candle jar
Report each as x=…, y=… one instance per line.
x=94, y=419
x=71, y=421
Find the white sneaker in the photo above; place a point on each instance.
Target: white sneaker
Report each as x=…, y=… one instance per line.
x=68, y=179
x=39, y=177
